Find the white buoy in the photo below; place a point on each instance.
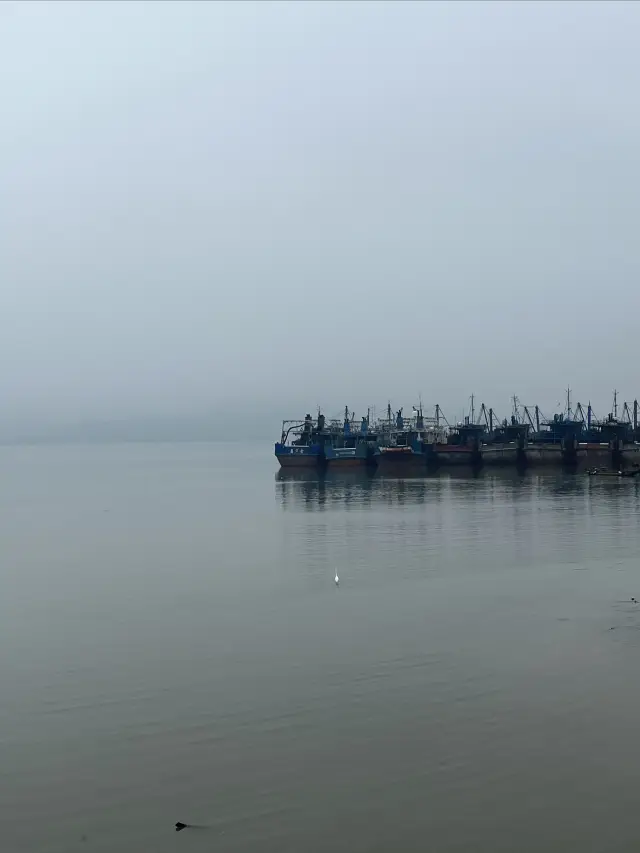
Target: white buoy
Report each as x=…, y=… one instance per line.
x=337, y=579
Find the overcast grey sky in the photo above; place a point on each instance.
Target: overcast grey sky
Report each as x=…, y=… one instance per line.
x=283, y=205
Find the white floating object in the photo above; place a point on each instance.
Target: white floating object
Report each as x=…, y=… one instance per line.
x=337, y=579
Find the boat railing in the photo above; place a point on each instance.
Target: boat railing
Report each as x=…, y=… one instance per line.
x=382, y=430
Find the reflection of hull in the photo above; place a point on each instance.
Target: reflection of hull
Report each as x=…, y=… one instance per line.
x=300, y=457
x=456, y=454
x=502, y=454
x=397, y=460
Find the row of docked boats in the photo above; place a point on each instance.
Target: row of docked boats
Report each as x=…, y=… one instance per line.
x=397, y=443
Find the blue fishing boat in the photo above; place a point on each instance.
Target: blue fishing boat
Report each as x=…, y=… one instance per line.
x=351, y=445
x=303, y=445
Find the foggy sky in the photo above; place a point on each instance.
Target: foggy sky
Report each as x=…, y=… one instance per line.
x=271, y=207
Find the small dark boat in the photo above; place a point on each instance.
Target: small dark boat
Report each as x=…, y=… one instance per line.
x=605, y=472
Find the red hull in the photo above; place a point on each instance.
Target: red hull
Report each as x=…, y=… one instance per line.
x=298, y=461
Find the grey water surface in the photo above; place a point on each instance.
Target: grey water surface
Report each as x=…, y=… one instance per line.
x=173, y=647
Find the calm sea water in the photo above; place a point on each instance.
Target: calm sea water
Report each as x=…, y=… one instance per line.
x=173, y=647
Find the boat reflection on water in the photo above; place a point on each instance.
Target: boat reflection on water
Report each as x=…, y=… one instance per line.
x=354, y=489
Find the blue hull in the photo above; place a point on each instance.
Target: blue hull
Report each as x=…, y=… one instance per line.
x=309, y=456
x=347, y=456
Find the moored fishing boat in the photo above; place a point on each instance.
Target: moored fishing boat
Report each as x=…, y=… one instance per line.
x=352, y=446
x=462, y=446
x=303, y=444
x=404, y=444
x=506, y=444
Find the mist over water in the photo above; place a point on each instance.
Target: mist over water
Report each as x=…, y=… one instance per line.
x=240, y=211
